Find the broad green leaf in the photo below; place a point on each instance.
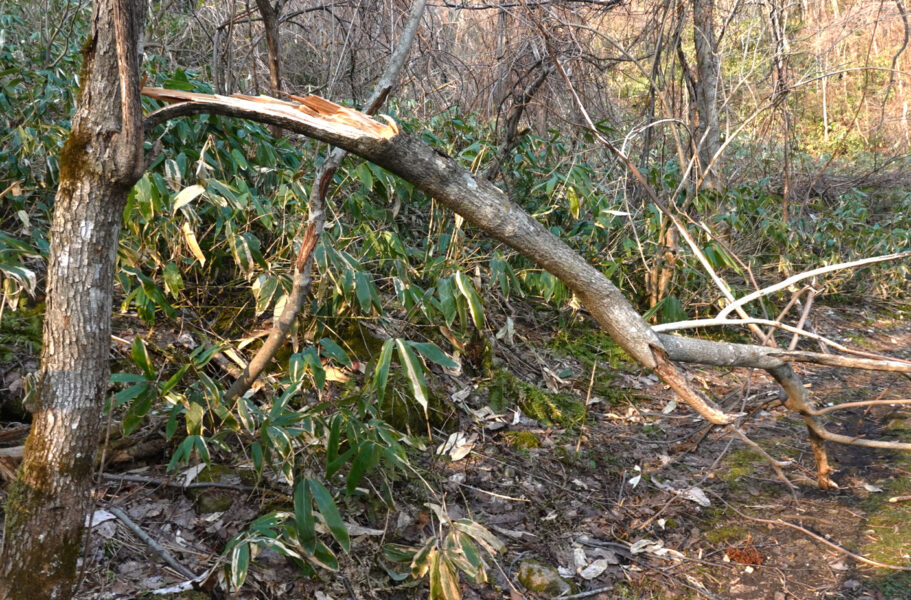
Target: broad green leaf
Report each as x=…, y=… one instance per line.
x=128, y=378
x=333, y=466
x=173, y=282
x=462, y=553
x=264, y=289
x=323, y=557
x=414, y=371
x=432, y=352
x=365, y=459
x=363, y=174
x=399, y=552
x=330, y=513
x=173, y=380
x=366, y=293
x=303, y=516
x=194, y=415
x=243, y=254
x=141, y=357
x=335, y=351
x=474, y=301
x=239, y=158
x=332, y=442
x=127, y=394
x=240, y=563
x=381, y=372
x=447, y=300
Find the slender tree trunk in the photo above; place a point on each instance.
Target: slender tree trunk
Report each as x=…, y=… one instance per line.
x=270, y=24
x=707, y=133
x=101, y=160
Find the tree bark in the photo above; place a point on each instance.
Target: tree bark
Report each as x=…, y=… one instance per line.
x=270, y=25
x=708, y=137
x=101, y=160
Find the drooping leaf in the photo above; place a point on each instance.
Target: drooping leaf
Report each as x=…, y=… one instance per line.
x=329, y=510
x=187, y=195
x=444, y=582
x=335, y=351
x=414, y=371
x=432, y=352
x=480, y=534
x=240, y=563
x=141, y=357
x=381, y=372
x=474, y=301
x=366, y=458
x=303, y=516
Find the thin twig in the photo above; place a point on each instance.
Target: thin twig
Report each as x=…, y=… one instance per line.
x=176, y=484
x=155, y=546
x=803, y=317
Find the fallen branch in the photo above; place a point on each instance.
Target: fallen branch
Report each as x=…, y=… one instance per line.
x=155, y=546
x=750, y=356
x=887, y=363
x=488, y=208
x=806, y=275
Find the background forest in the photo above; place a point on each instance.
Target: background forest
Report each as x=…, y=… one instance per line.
x=445, y=419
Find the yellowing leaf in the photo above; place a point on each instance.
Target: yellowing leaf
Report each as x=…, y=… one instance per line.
x=415, y=373
x=190, y=238
x=187, y=195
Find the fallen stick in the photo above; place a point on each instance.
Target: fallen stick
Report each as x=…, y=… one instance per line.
x=155, y=546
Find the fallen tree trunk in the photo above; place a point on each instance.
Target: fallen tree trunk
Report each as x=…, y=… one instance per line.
x=476, y=199
x=488, y=208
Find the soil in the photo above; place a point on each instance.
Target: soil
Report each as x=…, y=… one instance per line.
x=631, y=498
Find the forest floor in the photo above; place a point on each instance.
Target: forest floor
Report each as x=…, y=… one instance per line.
x=621, y=497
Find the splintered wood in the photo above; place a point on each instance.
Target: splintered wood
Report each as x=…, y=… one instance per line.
x=311, y=110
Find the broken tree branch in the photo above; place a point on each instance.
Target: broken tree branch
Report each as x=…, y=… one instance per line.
x=488, y=208
x=301, y=279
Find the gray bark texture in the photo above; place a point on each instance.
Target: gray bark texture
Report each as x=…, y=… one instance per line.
x=101, y=160
x=707, y=133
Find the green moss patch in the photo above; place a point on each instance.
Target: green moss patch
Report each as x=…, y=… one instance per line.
x=505, y=391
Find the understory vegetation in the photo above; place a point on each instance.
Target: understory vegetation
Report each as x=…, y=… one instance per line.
x=418, y=326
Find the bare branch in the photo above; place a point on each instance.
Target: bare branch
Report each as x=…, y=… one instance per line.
x=806, y=275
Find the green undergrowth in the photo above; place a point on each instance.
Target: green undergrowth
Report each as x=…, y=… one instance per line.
x=20, y=333
x=506, y=391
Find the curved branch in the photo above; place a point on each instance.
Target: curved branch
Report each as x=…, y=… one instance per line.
x=806, y=275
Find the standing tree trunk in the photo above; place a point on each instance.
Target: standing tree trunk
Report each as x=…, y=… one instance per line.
x=707, y=132
x=47, y=504
x=270, y=24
